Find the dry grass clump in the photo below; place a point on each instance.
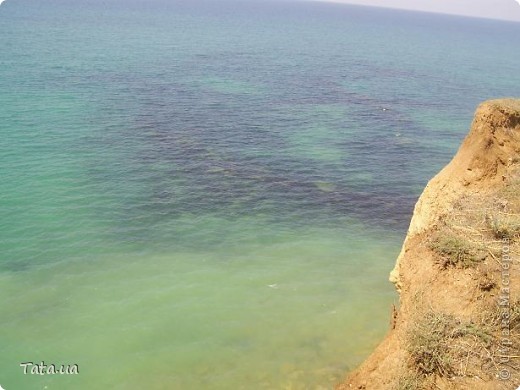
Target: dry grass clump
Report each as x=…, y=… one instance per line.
x=410, y=381
x=455, y=250
x=504, y=226
x=431, y=343
x=443, y=346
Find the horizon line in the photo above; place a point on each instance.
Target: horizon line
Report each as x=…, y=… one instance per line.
x=340, y=2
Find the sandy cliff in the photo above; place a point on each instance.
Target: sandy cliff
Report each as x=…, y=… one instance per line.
x=458, y=322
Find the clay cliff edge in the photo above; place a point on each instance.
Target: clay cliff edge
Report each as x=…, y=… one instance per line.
x=458, y=277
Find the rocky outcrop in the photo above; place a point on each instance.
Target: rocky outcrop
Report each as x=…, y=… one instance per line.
x=448, y=330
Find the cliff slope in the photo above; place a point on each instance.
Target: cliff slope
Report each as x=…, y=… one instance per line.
x=458, y=324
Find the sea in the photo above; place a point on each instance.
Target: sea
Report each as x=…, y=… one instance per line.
x=211, y=194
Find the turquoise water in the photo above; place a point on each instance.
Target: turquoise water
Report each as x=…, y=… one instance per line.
x=212, y=194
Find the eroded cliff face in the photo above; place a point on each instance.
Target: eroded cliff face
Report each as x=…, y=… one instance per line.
x=458, y=324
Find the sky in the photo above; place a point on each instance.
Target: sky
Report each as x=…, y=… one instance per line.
x=494, y=9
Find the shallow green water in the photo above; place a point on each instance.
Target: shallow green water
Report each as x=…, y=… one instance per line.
x=241, y=317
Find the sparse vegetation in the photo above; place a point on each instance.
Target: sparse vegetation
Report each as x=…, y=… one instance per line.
x=443, y=346
x=504, y=226
x=429, y=344
x=476, y=226
x=456, y=251
x=410, y=381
